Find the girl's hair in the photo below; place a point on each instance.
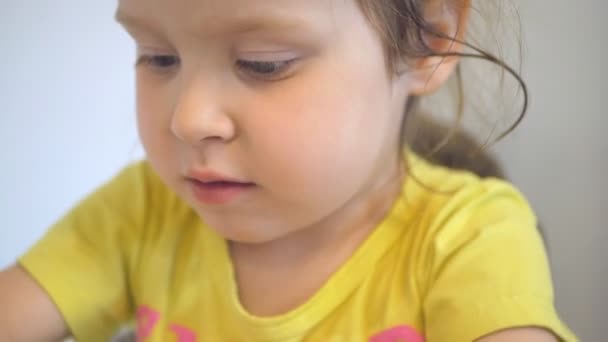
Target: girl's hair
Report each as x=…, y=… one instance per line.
x=403, y=28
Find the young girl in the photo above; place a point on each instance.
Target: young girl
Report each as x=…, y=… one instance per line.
x=278, y=201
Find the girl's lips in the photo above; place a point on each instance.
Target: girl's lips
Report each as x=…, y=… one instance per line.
x=209, y=176
x=218, y=192
x=214, y=188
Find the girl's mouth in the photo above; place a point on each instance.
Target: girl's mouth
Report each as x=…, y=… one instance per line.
x=219, y=192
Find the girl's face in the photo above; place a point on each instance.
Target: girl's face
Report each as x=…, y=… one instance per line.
x=291, y=97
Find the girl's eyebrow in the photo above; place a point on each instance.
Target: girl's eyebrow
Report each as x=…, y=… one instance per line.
x=131, y=21
x=266, y=23
x=236, y=25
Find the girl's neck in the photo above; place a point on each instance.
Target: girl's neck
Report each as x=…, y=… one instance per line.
x=276, y=277
x=340, y=233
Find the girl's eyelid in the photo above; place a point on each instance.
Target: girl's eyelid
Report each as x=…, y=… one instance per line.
x=144, y=50
x=269, y=56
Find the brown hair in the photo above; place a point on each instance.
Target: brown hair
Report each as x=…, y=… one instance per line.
x=402, y=26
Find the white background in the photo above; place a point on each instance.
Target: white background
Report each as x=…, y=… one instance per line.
x=67, y=124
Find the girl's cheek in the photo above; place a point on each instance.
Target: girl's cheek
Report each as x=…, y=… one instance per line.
x=153, y=104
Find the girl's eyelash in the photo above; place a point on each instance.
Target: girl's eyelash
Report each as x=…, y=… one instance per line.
x=265, y=69
x=158, y=61
x=260, y=69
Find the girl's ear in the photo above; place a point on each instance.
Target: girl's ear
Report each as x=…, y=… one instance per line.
x=427, y=74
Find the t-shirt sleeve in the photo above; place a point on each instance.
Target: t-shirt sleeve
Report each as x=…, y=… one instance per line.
x=487, y=268
x=83, y=261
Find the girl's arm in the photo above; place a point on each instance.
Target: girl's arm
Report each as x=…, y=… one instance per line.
x=26, y=311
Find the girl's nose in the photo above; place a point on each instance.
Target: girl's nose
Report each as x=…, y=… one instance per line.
x=199, y=115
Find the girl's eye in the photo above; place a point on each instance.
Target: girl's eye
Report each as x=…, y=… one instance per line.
x=159, y=62
x=265, y=70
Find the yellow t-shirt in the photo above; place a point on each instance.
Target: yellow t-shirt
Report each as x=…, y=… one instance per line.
x=445, y=265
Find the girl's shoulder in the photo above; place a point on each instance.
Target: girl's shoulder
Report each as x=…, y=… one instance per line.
x=478, y=253
x=456, y=205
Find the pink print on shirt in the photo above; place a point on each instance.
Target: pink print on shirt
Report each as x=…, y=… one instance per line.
x=148, y=318
x=146, y=321
x=183, y=334
x=398, y=334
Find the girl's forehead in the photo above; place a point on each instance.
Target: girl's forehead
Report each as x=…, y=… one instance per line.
x=238, y=15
